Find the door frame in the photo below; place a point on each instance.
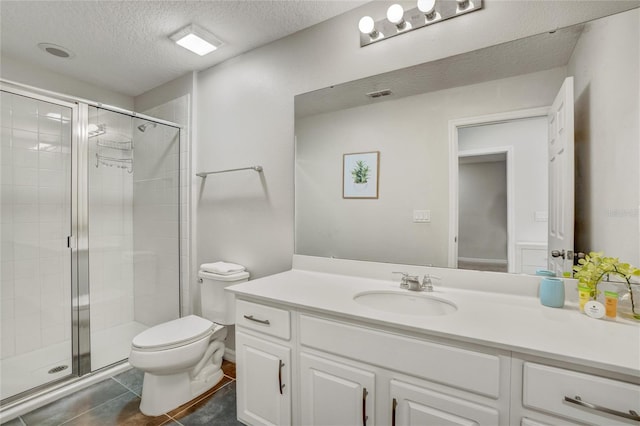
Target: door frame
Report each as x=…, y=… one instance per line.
x=454, y=152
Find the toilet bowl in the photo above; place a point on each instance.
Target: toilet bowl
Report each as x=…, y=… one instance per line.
x=182, y=358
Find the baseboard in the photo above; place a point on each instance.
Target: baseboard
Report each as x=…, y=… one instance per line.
x=230, y=355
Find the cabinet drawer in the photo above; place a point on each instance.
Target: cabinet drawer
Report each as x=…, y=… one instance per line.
x=461, y=368
x=545, y=389
x=265, y=319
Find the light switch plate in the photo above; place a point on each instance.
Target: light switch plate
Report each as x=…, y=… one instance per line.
x=541, y=216
x=421, y=216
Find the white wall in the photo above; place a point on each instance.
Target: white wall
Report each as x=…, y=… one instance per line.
x=412, y=136
x=246, y=115
x=22, y=72
x=608, y=152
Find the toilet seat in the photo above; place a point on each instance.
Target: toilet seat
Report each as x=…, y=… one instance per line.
x=173, y=334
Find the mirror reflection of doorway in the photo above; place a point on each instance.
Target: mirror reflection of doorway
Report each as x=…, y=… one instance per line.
x=504, y=162
x=482, y=215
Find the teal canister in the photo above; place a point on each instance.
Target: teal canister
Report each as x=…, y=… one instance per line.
x=552, y=292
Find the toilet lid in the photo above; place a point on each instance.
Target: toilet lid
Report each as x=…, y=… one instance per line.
x=174, y=333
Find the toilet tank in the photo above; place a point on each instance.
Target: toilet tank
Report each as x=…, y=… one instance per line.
x=216, y=304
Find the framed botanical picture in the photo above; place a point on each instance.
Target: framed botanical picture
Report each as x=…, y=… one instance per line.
x=360, y=174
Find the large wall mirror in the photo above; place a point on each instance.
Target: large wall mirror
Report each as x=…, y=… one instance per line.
x=464, y=160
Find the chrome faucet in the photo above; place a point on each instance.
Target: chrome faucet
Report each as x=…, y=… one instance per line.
x=411, y=282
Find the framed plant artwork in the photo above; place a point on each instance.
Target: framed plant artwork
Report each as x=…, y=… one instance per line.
x=360, y=174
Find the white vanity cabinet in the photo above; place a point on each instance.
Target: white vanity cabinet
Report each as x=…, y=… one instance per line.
x=298, y=366
x=546, y=394
x=263, y=357
x=413, y=405
x=335, y=393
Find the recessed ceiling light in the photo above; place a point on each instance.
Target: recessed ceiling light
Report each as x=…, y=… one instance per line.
x=55, y=50
x=196, y=39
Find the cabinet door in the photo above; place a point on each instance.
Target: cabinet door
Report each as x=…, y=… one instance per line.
x=263, y=381
x=335, y=394
x=417, y=406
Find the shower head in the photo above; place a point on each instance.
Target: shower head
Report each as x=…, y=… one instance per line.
x=144, y=126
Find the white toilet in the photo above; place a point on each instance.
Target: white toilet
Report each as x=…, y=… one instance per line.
x=182, y=358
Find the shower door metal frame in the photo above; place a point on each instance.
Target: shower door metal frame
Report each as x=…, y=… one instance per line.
x=76, y=294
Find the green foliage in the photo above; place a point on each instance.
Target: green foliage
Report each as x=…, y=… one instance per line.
x=596, y=266
x=591, y=270
x=360, y=173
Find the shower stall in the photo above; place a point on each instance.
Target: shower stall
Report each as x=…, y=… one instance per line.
x=90, y=227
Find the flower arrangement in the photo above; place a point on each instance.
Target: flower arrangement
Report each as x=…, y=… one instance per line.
x=595, y=267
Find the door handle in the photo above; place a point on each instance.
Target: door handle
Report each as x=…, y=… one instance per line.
x=364, y=406
x=394, y=406
x=280, y=384
x=558, y=253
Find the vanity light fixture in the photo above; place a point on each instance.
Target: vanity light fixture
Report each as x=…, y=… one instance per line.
x=196, y=39
x=367, y=26
x=399, y=21
x=395, y=15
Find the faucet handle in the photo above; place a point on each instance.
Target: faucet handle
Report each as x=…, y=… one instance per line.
x=427, y=284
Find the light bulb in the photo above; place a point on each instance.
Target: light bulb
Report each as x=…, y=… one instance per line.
x=426, y=6
x=395, y=14
x=462, y=4
x=366, y=25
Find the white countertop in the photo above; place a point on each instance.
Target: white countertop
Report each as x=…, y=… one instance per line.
x=512, y=322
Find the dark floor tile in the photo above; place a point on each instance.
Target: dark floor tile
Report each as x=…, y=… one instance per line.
x=219, y=409
x=205, y=395
x=121, y=411
x=229, y=369
x=75, y=404
x=14, y=422
x=131, y=379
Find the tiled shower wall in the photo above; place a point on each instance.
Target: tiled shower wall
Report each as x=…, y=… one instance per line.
x=154, y=206
x=35, y=221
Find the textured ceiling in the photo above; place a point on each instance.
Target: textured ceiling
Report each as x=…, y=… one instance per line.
x=527, y=55
x=124, y=45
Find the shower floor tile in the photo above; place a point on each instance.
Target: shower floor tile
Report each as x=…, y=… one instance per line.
x=115, y=401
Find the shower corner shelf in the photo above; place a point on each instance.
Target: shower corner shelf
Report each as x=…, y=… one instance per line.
x=125, y=145
x=121, y=163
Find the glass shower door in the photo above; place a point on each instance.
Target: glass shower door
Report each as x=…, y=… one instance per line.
x=36, y=262
x=133, y=218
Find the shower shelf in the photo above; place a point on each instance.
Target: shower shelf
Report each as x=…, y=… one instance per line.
x=122, y=145
x=121, y=163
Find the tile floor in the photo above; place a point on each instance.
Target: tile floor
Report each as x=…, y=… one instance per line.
x=115, y=401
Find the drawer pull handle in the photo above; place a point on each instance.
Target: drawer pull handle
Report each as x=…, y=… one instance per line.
x=251, y=318
x=280, y=384
x=364, y=406
x=394, y=406
x=578, y=401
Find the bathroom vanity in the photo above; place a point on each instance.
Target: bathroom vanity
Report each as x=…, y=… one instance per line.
x=311, y=351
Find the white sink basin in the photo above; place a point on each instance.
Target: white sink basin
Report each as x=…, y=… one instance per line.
x=406, y=303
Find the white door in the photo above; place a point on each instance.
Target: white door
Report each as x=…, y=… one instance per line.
x=561, y=181
x=335, y=394
x=413, y=405
x=263, y=381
